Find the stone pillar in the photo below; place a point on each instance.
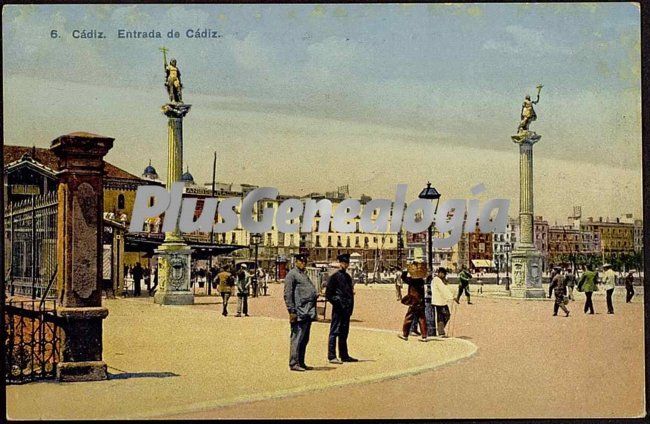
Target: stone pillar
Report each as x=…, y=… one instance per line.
x=174, y=256
x=79, y=254
x=526, y=259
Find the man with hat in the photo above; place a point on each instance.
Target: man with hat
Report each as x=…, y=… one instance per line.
x=609, y=280
x=340, y=294
x=300, y=297
x=441, y=296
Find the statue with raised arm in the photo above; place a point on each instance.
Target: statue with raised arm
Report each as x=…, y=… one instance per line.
x=172, y=79
x=528, y=114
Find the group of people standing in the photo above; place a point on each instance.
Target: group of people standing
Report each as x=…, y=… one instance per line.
x=239, y=282
x=300, y=296
x=428, y=301
x=563, y=282
x=139, y=274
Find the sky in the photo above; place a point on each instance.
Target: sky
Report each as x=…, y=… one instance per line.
x=310, y=97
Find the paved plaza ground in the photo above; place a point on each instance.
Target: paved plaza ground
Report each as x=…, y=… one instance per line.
x=509, y=358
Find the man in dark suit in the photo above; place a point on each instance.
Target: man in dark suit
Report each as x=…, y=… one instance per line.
x=340, y=294
x=138, y=273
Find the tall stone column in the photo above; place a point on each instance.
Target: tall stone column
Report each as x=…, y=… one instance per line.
x=79, y=254
x=526, y=259
x=174, y=255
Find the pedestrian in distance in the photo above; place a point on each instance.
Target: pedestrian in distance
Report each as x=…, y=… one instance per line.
x=148, y=276
x=554, y=272
x=397, y=278
x=226, y=283
x=464, y=278
x=153, y=288
x=138, y=273
x=243, y=287
x=629, y=286
x=588, y=284
x=558, y=287
x=441, y=297
x=570, y=281
x=340, y=294
x=300, y=297
x=609, y=282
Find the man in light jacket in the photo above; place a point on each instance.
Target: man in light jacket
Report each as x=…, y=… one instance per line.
x=441, y=296
x=609, y=280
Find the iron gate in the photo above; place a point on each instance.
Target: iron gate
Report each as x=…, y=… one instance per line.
x=30, y=246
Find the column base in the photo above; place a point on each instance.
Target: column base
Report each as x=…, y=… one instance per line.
x=81, y=371
x=173, y=298
x=526, y=277
x=528, y=293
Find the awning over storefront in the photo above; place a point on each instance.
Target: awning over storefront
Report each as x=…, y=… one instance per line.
x=200, y=250
x=482, y=263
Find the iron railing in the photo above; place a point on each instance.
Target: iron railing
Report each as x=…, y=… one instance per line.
x=30, y=246
x=32, y=343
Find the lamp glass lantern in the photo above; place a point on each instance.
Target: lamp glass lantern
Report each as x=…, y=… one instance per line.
x=430, y=193
x=256, y=238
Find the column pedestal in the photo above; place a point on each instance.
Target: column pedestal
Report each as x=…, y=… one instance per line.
x=526, y=273
x=174, y=274
x=79, y=254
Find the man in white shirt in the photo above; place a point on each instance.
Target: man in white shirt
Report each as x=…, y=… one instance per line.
x=609, y=281
x=441, y=296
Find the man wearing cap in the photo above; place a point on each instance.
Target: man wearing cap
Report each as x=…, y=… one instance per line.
x=340, y=294
x=609, y=280
x=300, y=297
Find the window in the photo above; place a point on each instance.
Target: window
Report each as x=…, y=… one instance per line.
x=120, y=201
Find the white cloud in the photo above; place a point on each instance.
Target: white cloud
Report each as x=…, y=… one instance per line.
x=529, y=41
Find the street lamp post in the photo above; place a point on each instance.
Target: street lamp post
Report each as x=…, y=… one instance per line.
x=507, y=248
x=430, y=193
x=498, y=264
x=255, y=240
